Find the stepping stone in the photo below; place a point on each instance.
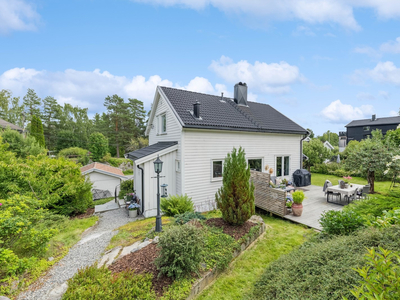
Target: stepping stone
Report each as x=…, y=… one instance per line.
x=106, y=207
x=108, y=259
x=142, y=245
x=58, y=291
x=128, y=249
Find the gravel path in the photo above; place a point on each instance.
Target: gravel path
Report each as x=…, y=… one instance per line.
x=84, y=253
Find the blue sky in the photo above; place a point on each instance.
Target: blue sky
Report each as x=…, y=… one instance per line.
x=322, y=63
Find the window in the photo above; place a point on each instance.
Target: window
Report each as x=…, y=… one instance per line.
x=177, y=166
x=282, y=166
x=366, y=128
x=255, y=164
x=217, y=169
x=163, y=123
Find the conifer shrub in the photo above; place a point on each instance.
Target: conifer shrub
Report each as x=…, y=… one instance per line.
x=181, y=251
x=235, y=198
x=187, y=216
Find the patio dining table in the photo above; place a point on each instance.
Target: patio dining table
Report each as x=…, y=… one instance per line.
x=346, y=192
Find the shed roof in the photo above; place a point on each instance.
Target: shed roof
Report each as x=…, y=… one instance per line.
x=134, y=155
x=223, y=113
x=102, y=167
x=377, y=121
x=5, y=124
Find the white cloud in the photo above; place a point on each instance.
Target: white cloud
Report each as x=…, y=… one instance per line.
x=384, y=94
x=393, y=113
x=391, y=46
x=268, y=78
x=368, y=51
x=17, y=15
x=309, y=11
x=365, y=96
x=88, y=89
x=338, y=112
x=384, y=72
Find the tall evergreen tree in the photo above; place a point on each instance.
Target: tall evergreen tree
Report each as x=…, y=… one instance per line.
x=235, y=198
x=98, y=146
x=32, y=103
x=36, y=130
x=50, y=117
x=138, y=116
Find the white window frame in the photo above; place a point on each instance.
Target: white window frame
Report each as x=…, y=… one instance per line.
x=160, y=123
x=254, y=158
x=283, y=165
x=212, y=169
x=177, y=165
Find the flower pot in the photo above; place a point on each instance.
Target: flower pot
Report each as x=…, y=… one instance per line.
x=297, y=209
x=346, y=185
x=133, y=213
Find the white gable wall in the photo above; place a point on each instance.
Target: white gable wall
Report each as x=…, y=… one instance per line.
x=202, y=146
x=173, y=133
x=103, y=181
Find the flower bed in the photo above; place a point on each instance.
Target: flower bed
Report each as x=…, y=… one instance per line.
x=222, y=243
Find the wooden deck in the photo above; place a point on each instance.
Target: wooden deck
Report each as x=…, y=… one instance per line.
x=313, y=207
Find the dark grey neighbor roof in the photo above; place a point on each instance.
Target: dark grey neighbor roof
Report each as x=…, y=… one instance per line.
x=5, y=124
x=134, y=155
x=227, y=115
x=378, y=121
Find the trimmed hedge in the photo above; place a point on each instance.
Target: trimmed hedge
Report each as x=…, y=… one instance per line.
x=323, y=270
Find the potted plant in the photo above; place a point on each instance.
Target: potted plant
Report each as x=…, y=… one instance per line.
x=297, y=206
x=289, y=206
x=132, y=209
x=346, y=180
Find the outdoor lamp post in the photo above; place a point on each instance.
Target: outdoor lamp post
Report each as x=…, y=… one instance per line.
x=158, y=168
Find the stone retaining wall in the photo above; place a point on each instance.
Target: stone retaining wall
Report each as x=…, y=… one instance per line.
x=210, y=276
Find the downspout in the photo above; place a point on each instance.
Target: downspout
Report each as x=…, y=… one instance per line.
x=301, y=149
x=141, y=169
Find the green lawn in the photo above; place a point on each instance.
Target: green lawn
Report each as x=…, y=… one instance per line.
x=102, y=201
x=319, y=179
x=237, y=281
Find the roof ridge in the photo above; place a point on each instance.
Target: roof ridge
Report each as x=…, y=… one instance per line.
x=167, y=87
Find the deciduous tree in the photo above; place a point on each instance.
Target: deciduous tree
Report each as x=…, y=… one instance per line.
x=98, y=146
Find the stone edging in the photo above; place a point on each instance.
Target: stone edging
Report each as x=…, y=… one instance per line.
x=210, y=276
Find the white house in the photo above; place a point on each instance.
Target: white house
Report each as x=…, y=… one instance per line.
x=328, y=146
x=192, y=134
x=103, y=177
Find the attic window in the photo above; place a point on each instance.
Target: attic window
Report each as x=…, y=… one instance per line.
x=163, y=123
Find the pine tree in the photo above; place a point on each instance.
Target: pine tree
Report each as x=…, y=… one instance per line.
x=235, y=198
x=36, y=129
x=50, y=112
x=32, y=103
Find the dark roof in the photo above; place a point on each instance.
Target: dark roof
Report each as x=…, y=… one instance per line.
x=227, y=115
x=378, y=121
x=134, y=155
x=5, y=124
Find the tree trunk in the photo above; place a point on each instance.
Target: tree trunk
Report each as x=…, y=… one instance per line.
x=371, y=181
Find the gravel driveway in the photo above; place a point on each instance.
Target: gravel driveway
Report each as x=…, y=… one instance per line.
x=84, y=253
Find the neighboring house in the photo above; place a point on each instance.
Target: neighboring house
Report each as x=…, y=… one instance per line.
x=361, y=129
x=328, y=145
x=4, y=124
x=342, y=141
x=192, y=133
x=103, y=177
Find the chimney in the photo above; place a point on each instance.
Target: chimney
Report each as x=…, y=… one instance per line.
x=240, y=93
x=373, y=117
x=196, y=110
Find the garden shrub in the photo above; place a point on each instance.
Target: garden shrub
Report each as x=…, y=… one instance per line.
x=125, y=188
x=235, y=198
x=177, y=204
x=178, y=290
x=181, y=249
x=375, y=204
x=388, y=218
x=98, y=146
x=75, y=154
x=187, y=216
x=22, y=147
x=98, y=284
x=115, y=161
x=324, y=269
x=381, y=276
x=338, y=222
x=218, y=248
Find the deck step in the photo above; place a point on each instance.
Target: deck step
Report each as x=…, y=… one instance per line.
x=121, y=202
x=106, y=207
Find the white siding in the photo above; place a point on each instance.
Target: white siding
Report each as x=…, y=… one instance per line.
x=103, y=181
x=174, y=131
x=150, y=184
x=201, y=147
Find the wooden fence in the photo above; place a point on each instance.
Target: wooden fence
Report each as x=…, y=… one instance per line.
x=269, y=199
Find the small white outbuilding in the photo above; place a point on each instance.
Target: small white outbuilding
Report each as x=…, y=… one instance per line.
x=103, y=177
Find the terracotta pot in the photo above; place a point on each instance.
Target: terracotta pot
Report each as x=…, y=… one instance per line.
x=297, y=209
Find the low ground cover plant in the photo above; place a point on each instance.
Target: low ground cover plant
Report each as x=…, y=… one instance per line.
x=338, y=222
x=176, y=204
x=187, y=216
x=323, y=269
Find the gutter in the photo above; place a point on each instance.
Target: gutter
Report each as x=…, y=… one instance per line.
x=301, y=148
x=244, y=129
x=141, y=169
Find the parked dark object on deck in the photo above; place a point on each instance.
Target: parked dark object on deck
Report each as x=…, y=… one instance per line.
x=302, y=177
x=100, y=194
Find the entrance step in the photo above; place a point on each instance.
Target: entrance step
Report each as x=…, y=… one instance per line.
x=106, y=207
